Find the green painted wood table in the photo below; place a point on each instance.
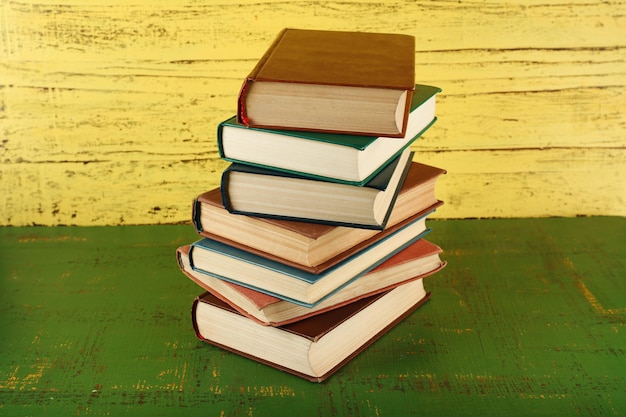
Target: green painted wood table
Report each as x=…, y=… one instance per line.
x=527, y=319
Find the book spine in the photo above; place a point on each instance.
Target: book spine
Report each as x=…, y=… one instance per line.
x=242, y=116
x=190, y=256
x=405, y=121
x=179, y=260
x=224, y=184
x=196, y=211
x=405, y=173
x=219, y=137
x=194, y=322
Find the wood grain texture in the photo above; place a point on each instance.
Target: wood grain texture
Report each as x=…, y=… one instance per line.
x=527, y=319
x=108, y=110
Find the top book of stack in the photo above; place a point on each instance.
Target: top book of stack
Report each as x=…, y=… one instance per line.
x=331, y=81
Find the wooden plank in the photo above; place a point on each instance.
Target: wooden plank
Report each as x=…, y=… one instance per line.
x=76, y=27
x=125, y=87
x=550, y=182
x=528, y=318
x=48, y=124
x=554, y=182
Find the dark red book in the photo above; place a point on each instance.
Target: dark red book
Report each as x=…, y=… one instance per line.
x=312, y=348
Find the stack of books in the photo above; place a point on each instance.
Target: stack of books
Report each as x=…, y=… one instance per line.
x=313, y=245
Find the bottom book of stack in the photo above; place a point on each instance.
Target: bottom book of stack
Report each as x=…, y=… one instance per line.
x=315, y=347
x=312, y=342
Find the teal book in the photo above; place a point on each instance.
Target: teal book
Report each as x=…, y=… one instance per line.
x=353, y=159
x=263, y=192
x=232, y=264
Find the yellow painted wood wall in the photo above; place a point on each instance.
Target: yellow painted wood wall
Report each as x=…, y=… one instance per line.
x=108, y=108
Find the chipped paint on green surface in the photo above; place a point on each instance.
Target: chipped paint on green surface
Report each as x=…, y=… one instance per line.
x=527, y=319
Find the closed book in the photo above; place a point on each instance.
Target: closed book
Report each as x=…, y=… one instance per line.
x=232, y=264
x=312, y=348
x=417, y=261
x=337, y=81
x=311, y=246
x=346, y=158
x=265, y=192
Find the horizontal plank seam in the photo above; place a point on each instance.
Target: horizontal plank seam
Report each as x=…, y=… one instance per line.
x=531, y=148
x=421, y=150
x=527, y=49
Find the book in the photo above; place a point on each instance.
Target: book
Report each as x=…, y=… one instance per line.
x=350, y=82
x=265, y=192
x=312, y=348
x=292, y=284
x=347, y=158
x=310, y=246
x=417, y=261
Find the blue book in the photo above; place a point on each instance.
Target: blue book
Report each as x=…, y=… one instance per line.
x=351, y=159
x=250, y=270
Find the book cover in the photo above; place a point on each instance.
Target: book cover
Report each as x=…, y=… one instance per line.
x=351, y=159
x=262, y=192
x=419, y=260
x=330, y=340
x=302, y=58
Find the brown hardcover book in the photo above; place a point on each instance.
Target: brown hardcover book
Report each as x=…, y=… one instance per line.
x=332, y=81
x=312, y=348
x=308, y=246
x=419, y=260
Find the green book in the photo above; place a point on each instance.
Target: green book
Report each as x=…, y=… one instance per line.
x=351, y=159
